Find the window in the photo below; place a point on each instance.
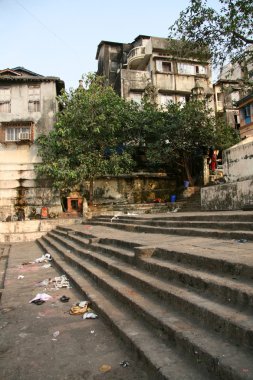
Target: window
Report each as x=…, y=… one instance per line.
x=33, y=106
x=185, y=68
x=34, y=98
x=17, y=133
x=136, y=97
x=5, y=99
x=181, y=100
x=235, y=96
x=200, y=69
x=163, y=66
x=114, y=66
x=246, y=114
x=165, y=99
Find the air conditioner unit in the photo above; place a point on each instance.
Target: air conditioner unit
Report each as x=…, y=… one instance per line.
x=24, y=136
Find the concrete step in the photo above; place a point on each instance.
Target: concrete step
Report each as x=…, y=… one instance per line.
x=246, y=216
x=176, y=293
x=179, y=313
x=124, y=249
x=158, y=355
x=137, y=226
x=225, y=225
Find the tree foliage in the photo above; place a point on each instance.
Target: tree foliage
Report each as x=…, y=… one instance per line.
x=88, y=139
x=228, y=31
x=184, y=135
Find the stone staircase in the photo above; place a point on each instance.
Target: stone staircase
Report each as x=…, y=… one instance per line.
x=224, y=226
x=185, y=309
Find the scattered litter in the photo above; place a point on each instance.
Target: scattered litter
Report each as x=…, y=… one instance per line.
x=40, y=298
x=124, y=363
x=38, y=302
x=242, y=241
x=20, y=277
x=114, y=218
x=77, y=310
x=90, y=315
x=22, y=335
x=56, y=333
x=84, y=303
x=44, y=258
x=175, y=209
x=46, y=266
x=92, y=331
x=105, y=368
x=132, y=213
x=64, y=299
x=61, y=282
x=44, y=282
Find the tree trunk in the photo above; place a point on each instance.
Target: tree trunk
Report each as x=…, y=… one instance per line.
x=188, y=171
x=91, y=192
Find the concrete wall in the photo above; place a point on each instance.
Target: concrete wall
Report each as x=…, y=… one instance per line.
x=11, y=232
x=238, y=171
x=238, y=161
x=228, y=196
x=133, y=188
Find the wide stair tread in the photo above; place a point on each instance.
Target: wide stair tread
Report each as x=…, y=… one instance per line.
x=81, y=238
x=177, y=231
x=231, y=225
x=182, y=330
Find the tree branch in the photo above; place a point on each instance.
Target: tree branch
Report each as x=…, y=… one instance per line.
x=247, y=40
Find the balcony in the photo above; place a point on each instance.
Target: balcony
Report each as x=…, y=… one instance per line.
x=137, y=58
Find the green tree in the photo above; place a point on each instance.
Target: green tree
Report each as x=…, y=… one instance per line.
x=87, y=140
x=187, y=131
x=228, y=31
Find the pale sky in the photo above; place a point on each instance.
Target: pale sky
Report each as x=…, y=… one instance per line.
x=60, y=37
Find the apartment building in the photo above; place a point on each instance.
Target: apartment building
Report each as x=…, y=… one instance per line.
x=131, y=67
x=28, y=108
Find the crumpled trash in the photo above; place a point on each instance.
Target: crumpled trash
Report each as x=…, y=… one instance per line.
x=46, y=266
x=77, y=310
x=105, y=368
x=44, y=282
x=20, y=277
x=242, y=241
x=64, y=299
x=90, y=315
x=44, y=258
x=124, y=363
x=83, y=303
x=56, y=333
x=61, y=282
x=40, y=298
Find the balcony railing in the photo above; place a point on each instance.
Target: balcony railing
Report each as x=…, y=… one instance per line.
x=136, y=52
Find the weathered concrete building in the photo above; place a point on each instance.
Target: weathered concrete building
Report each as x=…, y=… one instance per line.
x=131, y=67
x=230, y=87
x=245, y=106
x=28, y=107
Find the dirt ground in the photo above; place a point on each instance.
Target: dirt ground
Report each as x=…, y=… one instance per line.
x=46, y=342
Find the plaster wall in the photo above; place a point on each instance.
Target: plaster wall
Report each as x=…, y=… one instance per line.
x=229, y=196
x=238, y=172
x=134, y=188
x=238, y=161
